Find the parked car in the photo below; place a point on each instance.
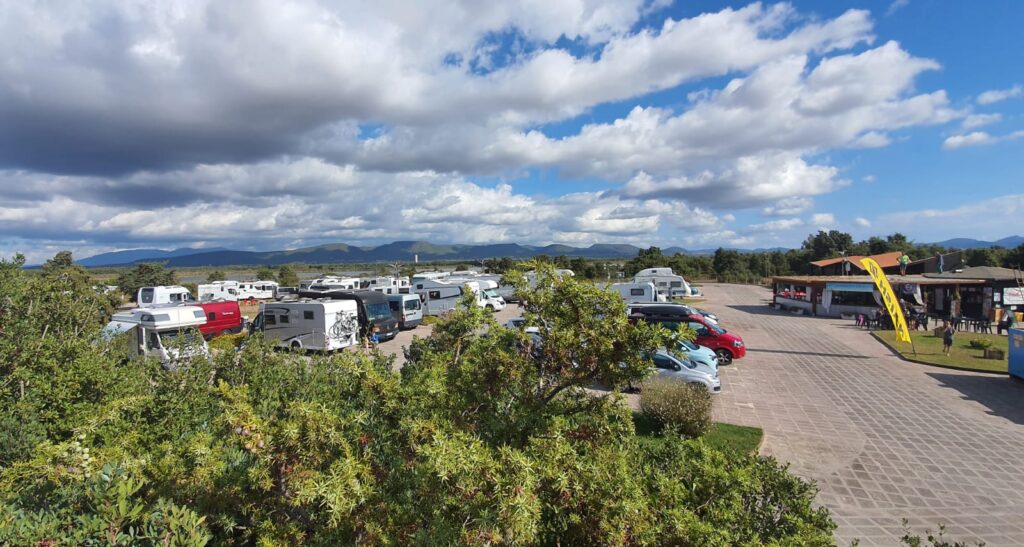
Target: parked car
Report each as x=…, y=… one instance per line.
x=670, y=310
x=407, y=309
x=675, y=366
x=699, y=353
x=725, y=344
x=222, y=317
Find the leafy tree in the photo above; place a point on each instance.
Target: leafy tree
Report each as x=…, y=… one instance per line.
x=215, y=275
x=60, y=261
x=146, y=274
x=730, y=265
x=984, y=257
x=266, y=273
x=286, y=276
x=828, y=244
x=1014, y=258
x=480, y=439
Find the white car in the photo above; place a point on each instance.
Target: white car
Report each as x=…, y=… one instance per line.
x=677, y=367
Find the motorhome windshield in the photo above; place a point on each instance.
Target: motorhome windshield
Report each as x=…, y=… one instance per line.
x=187, y=337
x=378, y=312
x=491, y=293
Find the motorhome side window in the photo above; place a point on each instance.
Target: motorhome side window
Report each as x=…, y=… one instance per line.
x=636, y=292
x=308, y=314
x=269, y=319
x=285, y=319
x=434, y=294
x=677, y=283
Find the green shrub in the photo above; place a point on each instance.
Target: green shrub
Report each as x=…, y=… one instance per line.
x=228, y=342
x=980, y=343
x=681, y=407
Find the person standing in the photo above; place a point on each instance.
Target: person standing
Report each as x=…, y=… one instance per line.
x=1007, y=322
x=939, y=262
x=947, y=339
x=903, y=260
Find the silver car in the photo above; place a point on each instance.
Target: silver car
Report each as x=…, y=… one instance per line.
x=679, y=367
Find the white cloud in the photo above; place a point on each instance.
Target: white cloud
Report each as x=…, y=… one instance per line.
x=978, y=138
x=777, y=225
x=862, y=222
x=896, y=5
x=869, y=178
x=823, y=220
x=975, y=121
x=997, y=95
x=789, y=206
x=988, y=219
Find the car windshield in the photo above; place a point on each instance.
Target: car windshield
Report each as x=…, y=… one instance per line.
x=688, y=345
x=378, y=312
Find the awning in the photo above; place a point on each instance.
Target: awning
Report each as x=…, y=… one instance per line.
x=850, y=287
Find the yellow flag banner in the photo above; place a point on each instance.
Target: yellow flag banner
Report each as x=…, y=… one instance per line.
x=892, y=304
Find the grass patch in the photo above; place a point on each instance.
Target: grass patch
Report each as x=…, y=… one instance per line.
x=724, y=437
x=962, y=356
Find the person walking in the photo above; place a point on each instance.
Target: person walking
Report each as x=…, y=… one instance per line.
x=903, y=260
x=939, y=261
x=1007, y=322
x=947, y=339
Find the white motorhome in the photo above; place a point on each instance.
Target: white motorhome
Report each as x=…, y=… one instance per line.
x=429, y=276
x=407, y=309
x=319, y=325
x=531, y=276
x=331, y=283
x=637, y=292
x=665, y=280
x=257, y=290
x=387, y=284
x=169, y=333
x=218, y=290
x=440, y=297
x=163, y=294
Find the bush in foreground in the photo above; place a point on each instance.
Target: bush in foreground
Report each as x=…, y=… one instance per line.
x=480, y=440
x=679, y=407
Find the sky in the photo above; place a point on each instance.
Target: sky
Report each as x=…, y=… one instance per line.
x=262, y=124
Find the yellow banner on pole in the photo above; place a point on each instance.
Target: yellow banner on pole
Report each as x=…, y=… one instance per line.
x=892, y=304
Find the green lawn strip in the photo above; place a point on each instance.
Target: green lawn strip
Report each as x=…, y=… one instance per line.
x=724, y=437
x=962, y=356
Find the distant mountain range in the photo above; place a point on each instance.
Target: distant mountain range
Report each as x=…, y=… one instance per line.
x=405, y=251
x=967, y=243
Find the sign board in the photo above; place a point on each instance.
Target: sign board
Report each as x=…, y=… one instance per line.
x=1013, y=296
x=850, y=287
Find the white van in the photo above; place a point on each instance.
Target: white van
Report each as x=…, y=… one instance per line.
x=319, y=325
x=407, y=309
x=168, y=333
x=637, y=292
x=218, y=290
x=163, y=294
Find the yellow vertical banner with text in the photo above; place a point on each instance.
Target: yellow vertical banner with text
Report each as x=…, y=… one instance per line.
x=892, y=304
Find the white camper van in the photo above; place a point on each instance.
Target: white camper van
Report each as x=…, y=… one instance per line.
x=386, y=284
x=637, y=292
x=319, y=325
x=665, y=280
x=163, y=294
x=429, y=276
x=331, y=283
x=257, y=290
x=169, y=333
x=407, y=309
x=439, y=297
x=218, y=290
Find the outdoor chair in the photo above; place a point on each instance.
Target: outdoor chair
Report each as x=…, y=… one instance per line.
x=985, y=327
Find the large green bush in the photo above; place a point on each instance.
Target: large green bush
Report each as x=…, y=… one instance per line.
x=678, y=406
x=481, y=439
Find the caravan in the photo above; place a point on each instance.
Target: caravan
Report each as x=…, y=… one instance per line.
x=163, y=294
x=665, y=280
x=387, y=285
x=318, y=325
x=167, y=333
x=331, y=283
x=637, y=292
x=218, y=290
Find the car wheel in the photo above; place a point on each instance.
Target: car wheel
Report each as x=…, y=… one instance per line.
x=489, y=308
x=296, y=345
x=724, y=356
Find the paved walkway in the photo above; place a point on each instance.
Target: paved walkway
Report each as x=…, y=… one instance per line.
x=884, y=439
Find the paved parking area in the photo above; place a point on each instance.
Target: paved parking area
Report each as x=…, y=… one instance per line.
x=884, y=439
x=404, y=338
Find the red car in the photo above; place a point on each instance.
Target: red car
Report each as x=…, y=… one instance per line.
x=222, y=317
x=726, y=345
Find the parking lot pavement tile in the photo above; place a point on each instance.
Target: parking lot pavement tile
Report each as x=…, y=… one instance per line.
x=884, y=439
